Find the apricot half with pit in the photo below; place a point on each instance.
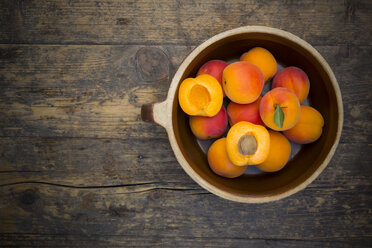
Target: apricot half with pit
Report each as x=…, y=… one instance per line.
x=202, y=96
x=247, y=144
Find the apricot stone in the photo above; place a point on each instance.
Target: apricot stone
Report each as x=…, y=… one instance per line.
x=289, y=104
x=247, y=143
x=280, y=150
x=263, y=59
x=245, y=112
x=204, y=127
x=202, y=96
x=242, y=82
x=308, y=128
x=294, y=79
x=220, y=163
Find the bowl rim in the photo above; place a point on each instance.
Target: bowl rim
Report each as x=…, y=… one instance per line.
x=172, y=94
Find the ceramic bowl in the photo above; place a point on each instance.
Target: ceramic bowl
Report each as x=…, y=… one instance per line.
x=309, y=161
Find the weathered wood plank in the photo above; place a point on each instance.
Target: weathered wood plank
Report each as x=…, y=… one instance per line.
x=97, y=91
x=179, y=22
x=105, y=162
x=49, y=240
x=151, y=215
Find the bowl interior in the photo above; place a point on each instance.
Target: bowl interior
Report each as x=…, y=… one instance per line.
x=308, y=159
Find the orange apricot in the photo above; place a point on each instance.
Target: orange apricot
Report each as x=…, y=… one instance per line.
x=242, y=82
x=204, y=127
x=280, y=150
x=201, y=96
x=247, y=144
x=245, y=112
x=294, y=79
x=308, y=128
x=219, y=161
x=263, y=59
x=280, y=109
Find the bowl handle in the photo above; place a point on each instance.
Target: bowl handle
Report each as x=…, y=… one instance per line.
x=156, y=113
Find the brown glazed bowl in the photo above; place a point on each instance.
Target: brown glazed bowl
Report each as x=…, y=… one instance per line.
x=311, y=159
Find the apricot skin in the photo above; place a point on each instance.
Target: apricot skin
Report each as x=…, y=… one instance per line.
x=294, y=79
x=280, y=150
x=289, y=103
x=242, y=82
x=220, y=163
x=204, y=127
x=245, y=112
x=308, y=128
x=263, y=59
x=214, y=68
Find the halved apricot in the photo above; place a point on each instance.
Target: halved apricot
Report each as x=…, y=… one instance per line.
x=202, y=96
x=247, y=144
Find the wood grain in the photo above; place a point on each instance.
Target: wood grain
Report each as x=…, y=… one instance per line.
x=175, y=215
x=97, y=92
x=113, y=162
x=179, y=22
x=78, y=168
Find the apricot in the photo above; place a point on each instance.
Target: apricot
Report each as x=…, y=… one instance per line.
x=263, y=59
x=280, y=109
x=245, y=112
x=247, y=144
x=308, y=128
x=294, y=79
x=242, y=82
x=220, y=163
x=201, y=96
x=280, y=150
x=204, y=127
x=214, y=68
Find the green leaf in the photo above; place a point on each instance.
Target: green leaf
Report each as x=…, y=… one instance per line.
x=279, y=116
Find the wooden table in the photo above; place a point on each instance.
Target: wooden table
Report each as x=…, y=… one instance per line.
x=78, y=167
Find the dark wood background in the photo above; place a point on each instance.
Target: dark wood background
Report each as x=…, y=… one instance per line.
x=78, y=167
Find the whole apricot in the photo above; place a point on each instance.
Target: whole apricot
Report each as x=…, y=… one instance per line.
x=245, y=112
x=263, y=59
x=242, y=82
x=280, y=150
x=280, y=109
x=201, y=96
x=219, y=161
x=204, y=127
x=294, y=79
x=308, y=128
x=214, y=68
